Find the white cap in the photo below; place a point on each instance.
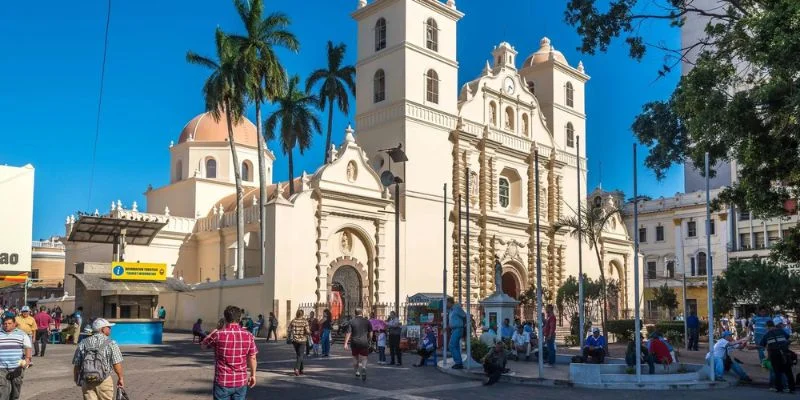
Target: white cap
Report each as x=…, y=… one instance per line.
x=25, y=309
x=100, y=323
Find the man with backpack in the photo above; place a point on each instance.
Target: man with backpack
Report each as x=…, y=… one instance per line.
x=94, y=360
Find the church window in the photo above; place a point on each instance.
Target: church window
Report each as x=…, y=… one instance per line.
x=246, y=176
x=178, y=170
x=432, y=86
x=431, y=35
x=505, y=192
x=211, y=168
x=379, y=86
x=509, y=119
x=525, y=125
x=570, y=94
x=570, y=135
x=380, y=34
x=493, y=113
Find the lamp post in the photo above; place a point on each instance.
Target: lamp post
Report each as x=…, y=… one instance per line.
x=397, y=155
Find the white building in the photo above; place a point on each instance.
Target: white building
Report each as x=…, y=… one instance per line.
x=16, y=214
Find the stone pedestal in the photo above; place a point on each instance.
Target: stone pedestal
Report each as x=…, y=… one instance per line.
x=498, y=307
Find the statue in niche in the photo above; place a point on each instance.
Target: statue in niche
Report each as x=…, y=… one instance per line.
x=498, y=276
x=347, y=243
x=474, y=188
x=351, y=171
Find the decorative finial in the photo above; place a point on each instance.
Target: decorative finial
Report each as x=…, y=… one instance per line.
x=332, y=153
x=487, y=68
x=460, y=123
x=166, y=211
x=171, y=143
x=580, y=66
x=545, y=42
x=451, y=3
x=67, y=221
x=71, y=219
x=119, y=205
x=135, y=207
x=348, y=134
x=113, y=206
x=362, y=3
x=96, y=212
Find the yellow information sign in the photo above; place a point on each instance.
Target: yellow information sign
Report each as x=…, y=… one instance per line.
x=130, y=271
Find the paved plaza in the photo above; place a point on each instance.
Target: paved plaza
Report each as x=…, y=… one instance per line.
x=180, y=370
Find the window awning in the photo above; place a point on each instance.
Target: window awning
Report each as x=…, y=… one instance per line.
x=93, y=229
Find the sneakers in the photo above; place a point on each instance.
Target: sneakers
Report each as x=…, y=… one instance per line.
x=772, y=389
x=363, y=374
x=458, y=366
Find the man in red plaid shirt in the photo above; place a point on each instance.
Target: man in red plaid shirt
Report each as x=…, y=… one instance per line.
x=234, y=352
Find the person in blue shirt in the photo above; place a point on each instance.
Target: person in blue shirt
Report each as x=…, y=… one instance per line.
x=506, y=331
x=693, y=328
x=758, y=325
x=594, y=347
x=457, y=321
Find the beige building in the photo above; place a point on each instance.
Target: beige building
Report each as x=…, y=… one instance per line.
x=336, y=233
x=46, y=276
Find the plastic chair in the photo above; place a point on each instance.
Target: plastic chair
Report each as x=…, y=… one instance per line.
x=55, y=337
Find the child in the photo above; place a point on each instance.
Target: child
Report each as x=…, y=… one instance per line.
x=382, y=347
x=315, y=340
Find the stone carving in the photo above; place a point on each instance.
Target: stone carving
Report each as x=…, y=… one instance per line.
x=498, y=275
x=352, y=171
x=346, y=243
x=474, y=187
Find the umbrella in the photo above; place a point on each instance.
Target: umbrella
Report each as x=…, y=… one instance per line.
x=377, y=325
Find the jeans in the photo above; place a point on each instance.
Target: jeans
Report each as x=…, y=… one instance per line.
x=10, y=388
x=232, y=393
x=761, y=354
x=455, y=345
x=326, y=341
x=693, y=339
x=719, y=368
x=300, y=353
x=494, y=372
x=273, y=331
x=782, y=369
x=551, y=350
x=42, y=335
x=597, y=355
x=394, y=349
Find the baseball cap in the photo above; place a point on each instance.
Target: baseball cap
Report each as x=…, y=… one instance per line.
x=100, y=323
x=726, y=333
x=25, y=309
x=777, y=321
x=595, y=330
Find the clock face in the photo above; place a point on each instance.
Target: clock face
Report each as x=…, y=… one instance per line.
x=508, y=85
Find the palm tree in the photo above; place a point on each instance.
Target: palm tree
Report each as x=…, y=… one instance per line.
x=224, y=92
x=265, y=78
x=297, y=119
x=336, y=79
x=591, y=223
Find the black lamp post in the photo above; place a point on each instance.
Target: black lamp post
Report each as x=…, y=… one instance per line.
x=397, y=155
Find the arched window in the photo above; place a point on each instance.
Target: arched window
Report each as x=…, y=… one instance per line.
x=701, y=264
x=525, y=125
x=379, y=86
x=178, y=170
x=431, y=35
x=211, y=168
x=432, y=86
x=570, y=94
x=246, y=171
x=570, y=135
x=493, y=113
x=380, y=34
x=510, y=119
x=504, y=192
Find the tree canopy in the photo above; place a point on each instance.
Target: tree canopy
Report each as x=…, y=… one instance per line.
x=740, y=101
x=756, y=282
x=666, y=298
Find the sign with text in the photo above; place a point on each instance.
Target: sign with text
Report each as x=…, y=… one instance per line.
x=16, y=215
x=131, y=271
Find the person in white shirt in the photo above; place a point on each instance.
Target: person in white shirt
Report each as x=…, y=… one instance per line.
x=722, y=347
x=521, y=342
x=489, y=337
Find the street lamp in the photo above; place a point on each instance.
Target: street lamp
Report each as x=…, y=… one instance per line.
x=397, y=155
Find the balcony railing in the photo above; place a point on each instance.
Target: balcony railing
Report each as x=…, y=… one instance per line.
x=47, y=244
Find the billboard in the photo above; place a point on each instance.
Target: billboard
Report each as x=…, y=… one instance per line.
x=16, y=216
x=131, y=271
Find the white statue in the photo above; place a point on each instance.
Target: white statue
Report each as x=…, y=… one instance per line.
x=498, y=275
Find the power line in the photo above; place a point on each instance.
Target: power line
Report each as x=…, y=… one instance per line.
x=99, y=103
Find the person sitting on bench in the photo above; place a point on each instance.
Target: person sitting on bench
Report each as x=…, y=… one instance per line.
x=521, y=343
x=494, y=364
x=594, y=347
x=427, y=347
x=197, y=329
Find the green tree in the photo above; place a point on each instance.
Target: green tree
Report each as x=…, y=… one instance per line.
x=590, y=223
x=224, y=92
x=666, y=298
x=757, y=282
x=740, y=100
x=265, y=76
x=336, y=80
x=297, y=119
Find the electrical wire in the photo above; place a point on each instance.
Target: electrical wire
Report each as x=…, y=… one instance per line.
x=99, y=104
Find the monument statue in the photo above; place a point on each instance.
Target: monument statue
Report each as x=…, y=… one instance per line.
x=498, y=275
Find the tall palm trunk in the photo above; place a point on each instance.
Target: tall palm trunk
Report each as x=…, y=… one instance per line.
x=330, y=126
x=262, y=192
x=603, y=315
x=239, y=199
x=291, y=172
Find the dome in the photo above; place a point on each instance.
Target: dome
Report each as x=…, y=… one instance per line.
x=203, y=128
x=543, y=54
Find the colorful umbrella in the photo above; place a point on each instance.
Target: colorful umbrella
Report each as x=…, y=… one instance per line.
x=377, y=325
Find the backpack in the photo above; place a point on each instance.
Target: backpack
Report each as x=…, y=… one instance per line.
x=92, y=366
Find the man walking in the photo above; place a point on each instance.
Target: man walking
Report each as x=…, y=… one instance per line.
x=162, y=313
x=94, y=359
x=550, y=336
x=15, y=356
x=234, y=353
x=457, y=322
x=776, y=341
x=759, y=328
x=43, y=321
x=358, y=338
x=693, y=327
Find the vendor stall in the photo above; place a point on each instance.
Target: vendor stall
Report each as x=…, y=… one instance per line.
x=423, y=310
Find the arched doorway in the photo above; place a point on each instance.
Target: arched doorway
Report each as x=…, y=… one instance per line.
x=615, y=291
x=511, y=285
x=347, y=282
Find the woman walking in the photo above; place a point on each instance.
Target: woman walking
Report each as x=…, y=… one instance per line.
x=327, y=326
x=299, y=331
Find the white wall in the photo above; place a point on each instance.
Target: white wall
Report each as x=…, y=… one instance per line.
x=16, y=214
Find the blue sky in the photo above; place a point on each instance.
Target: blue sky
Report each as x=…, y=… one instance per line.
x=50, y=74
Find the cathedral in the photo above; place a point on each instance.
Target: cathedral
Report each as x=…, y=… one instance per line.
x=333, y=235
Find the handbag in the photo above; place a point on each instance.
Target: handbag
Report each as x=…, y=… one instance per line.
x=121, y=395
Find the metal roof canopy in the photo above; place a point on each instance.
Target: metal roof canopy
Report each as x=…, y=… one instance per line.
x=92, y=229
